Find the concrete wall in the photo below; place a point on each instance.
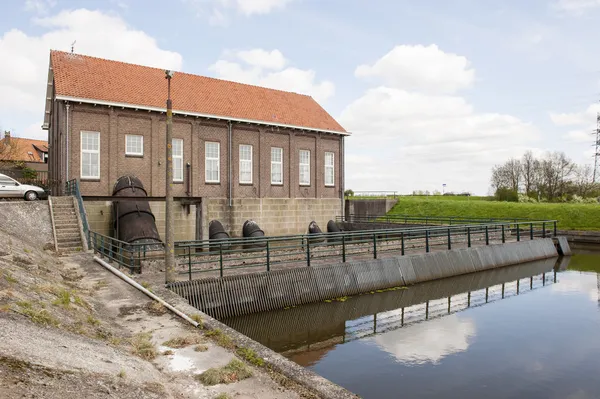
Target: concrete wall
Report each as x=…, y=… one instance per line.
x=275, y=216
x=29, y=221
x=99, y=219
x=248, y=293
x=369, y=207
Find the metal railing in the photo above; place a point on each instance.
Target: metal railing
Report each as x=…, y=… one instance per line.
x=374, y=194
x=425, y=220
x=266, y=253
x=131, y=256
x=72, y=188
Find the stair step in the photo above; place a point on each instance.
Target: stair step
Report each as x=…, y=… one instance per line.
x=64, y=211
x=68, y=242
x=68, y=236
x=67, y=230
x=65, y=216
x=66, y=223
x=63, y=205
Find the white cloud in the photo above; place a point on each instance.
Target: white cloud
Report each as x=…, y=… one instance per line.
x=428, y=342
x=579, y=136
x=576, y=118
x=409, y=141
x=412, y=133
x=39, y=6
x=262, y=58
x=579, y=283
x=219, y=12
x=249, y=7
x=23, y=80
x=576, y=7
x=427, y=69
x=264, y=68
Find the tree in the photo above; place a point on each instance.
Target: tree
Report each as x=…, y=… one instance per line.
x=530, y=170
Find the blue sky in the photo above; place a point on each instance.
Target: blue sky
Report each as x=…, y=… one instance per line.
x=433, y=91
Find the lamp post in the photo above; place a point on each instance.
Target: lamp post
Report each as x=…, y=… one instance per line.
x=169, y=250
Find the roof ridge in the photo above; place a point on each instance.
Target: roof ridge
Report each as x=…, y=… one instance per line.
x=179, y=72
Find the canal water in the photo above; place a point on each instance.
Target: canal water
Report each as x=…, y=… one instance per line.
x=527, y=331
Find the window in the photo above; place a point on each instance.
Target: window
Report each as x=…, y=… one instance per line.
x=329, y=169
x=90, y=155
x=134, y=145
x=304, y=168
x=276, y=165
x=177, y=160
x=245, y=164
x=212, y=164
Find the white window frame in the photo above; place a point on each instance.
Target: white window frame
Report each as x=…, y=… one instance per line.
x=206, y=159
x=177, y=157
x=137, y=154
x=280, y=163
x=82, y=151
x=245, y=162
x=305, y=165
x=329, y=167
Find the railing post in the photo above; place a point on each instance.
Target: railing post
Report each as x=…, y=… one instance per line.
x=268, y=257
x=189, y=262
x=402, y=243
x=544, y=230
x=487, y=235
x=221, y=259
x=426, y=240
x=374, y=246
x=120, y=261
x=531, y=231
x=131, y=262
x=554, y=228
x=518, y=233
x=503, y=235
x=307, y=252
x=468, y=237
x=344, y=248
x=449, y=240
x=102, y=246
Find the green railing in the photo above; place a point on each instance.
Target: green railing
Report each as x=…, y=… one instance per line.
x=426, y=220
x=128, y=255
x=72, y=188
x=263, y=254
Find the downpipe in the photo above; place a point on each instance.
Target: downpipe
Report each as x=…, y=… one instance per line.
x=229, y=166
x=67, y=105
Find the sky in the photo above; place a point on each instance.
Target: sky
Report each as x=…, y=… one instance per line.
x=433, y=91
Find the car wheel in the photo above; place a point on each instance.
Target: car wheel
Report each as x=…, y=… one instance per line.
x=31, y=196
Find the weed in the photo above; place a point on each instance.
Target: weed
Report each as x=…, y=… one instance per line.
x=201, y=348
x=168, y=352
x=121, y=374
x=27, y=251
x=156, y=308
x=146, y=285
x=198, y=319
x=116, y=341
x=222, y=395
x=142, y=346
x=24, y=304
x=40, y=316
x=63, y=298
x=180, y=342
x=234, y=371
x=9, y=278
x=250, y=356
x=93, y=321
x=222, y=339
x=81, y=302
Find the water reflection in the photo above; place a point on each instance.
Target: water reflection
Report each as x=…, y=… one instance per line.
x=428, y=342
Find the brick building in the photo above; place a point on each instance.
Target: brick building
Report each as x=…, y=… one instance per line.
x=239, y=151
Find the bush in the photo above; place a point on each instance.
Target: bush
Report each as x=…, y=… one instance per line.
x=526, y=199
x=506, y=194
x=349, y=193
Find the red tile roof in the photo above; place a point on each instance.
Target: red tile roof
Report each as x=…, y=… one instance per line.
x=91, y=78
x=22, y=149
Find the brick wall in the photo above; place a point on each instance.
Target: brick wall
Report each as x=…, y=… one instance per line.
x=113, y=124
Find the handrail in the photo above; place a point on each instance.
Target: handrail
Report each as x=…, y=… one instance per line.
x=397, y=218
x=72, y=188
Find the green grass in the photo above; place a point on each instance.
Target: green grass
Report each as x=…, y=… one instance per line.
x=234, y=371
x=570, y=216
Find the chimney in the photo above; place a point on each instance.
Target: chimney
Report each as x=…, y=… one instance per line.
x=7, y=134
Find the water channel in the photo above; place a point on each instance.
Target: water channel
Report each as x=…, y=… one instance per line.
x=531, y=331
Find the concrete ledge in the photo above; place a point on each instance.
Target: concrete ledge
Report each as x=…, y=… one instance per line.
x=307, y=379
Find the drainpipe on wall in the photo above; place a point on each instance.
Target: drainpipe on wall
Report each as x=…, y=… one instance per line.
x=67, y=105
x=343, y=177
x=230, y=144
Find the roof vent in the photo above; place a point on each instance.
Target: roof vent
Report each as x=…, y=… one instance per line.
x=29, y=153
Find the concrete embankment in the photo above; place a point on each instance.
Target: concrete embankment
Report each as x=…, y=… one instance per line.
x=243, y=294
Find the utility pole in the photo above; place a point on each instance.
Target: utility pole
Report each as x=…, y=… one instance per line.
x=169, y=250
x=597, y=148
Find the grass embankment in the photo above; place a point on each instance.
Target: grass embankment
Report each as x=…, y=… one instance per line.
x=570, y=216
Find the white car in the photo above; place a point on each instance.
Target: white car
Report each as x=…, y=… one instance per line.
x=10, y=188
